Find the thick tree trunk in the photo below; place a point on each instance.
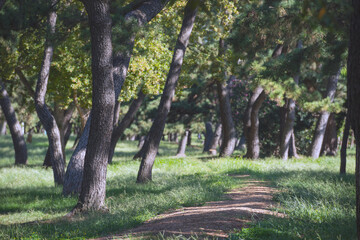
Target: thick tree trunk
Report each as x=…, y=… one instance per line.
x=253, y=142
x=323, y=119
x=125, y=123
x=43, y=112
x=92, y=195
x=14, y=126
x=215, y=140
x=209, y=134
x=182, y=145
x=344, y=145
x=330, y=141
x=228, y=128
x=139, y=16
x=353, y=88
x=152, y=144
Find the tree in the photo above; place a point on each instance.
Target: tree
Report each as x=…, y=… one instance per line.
x=135, y=15
x=92, y=195
x=14, y=126
x=208, y=136
x=344, y=145
x=44, y=114
x=154, y=136
x=353, y=88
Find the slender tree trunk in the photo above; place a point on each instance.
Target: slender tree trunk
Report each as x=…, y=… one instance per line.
x=141, y=142
x=139, y=16
x=189, y=139
x=14, y=126
x=253, y=142
x=323, y=119
x=3, y=127
x=330, y=141
x=92, y=195
x=125, y=123
x=215, y=140
x=209, y=134
x=344, y=145
x=152, y=144
x=43, y=112
x=228, y=128
x=292, y=149
x=182, y=145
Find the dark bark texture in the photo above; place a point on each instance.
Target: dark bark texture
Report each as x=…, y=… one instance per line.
x=228, y=127
x=14, y=126
x=330, y=142
x=344, y=145
x=152, y=144
x=139, y=15
x=209, y=134
x=47, y=119
x=125, y=123
x=253, y=142
x=92, y=195
x=353, y=88
x=323, y=119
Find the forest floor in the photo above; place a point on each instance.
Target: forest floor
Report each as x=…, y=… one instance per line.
x=216, y=219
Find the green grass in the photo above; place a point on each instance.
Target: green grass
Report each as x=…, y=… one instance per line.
x=319, y=203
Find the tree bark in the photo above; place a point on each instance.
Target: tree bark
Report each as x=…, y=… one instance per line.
x=43, y=112
x=14, y=126
x=215, y=140
x=182, y=145
x=253, y=142
x=228, y=128
x=152, y=144
x=3, y=127
x=292, y=149
x=353, y=93
x=330, y=141
x=209, y=134
x=323, y=119
x=92, y=195
x=344, y=145
x=125, y=123
x=139, y=16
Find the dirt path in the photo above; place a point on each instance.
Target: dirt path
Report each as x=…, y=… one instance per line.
x=214, y=219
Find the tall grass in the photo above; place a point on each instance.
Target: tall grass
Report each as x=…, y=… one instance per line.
x=318, y=201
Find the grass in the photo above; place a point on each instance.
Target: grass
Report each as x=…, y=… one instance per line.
x=319, y=203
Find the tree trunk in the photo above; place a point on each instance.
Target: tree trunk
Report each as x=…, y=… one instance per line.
x=138, y=16
x=152, y=144
x=3, y=128
x=228, y=128
x=125, y=123
x=141, y=142
x=215, y=140
x=182, y=145
x=242, y=143
x=330, y=141
x=353, y=94
x=209, y=134
x=292, y=149
x=253, y=142
x=92, y=195
x=344, y=145
x=323, y=119
x=189, y=139
x=14, y=126
x=43, y=112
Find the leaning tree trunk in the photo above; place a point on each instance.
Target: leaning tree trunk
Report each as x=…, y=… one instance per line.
x=228, y=128
x=14, y=126
x=182, y=145
x=43, y=112
x=344, y=145
x=92, y=195
x=209, y=134
x=215, y=140
x=125, y=123
x=154, y=136
x=253, y=142
x=139, y=16
x=323, y=119
x=330, y=141
x=353, y=94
